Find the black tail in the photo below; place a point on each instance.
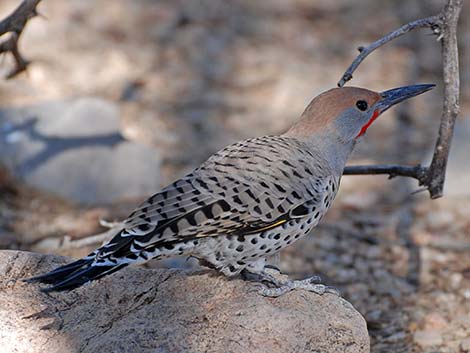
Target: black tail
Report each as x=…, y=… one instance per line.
x=74, y=275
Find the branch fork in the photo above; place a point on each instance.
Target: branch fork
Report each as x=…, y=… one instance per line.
x=14, y=25
x=444, y=25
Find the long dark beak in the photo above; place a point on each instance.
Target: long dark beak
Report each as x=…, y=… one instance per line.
x=397, y=95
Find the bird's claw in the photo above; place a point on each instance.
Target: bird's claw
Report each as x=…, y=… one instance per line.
x=257, y=288
x=310, y=284
x=262, y=277
x=272, y=268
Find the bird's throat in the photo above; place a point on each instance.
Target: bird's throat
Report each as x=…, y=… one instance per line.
x=369, y=123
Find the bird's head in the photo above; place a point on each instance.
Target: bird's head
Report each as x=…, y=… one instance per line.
x=347, y=112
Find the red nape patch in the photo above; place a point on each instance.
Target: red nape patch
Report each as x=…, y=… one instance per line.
x=369, y=123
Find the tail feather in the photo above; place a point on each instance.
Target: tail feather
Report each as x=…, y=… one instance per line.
x=82, y=276
x=74, y=274
x=111, y=257
x=59, y=273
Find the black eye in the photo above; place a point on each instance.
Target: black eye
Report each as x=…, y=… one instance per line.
x=361, y=105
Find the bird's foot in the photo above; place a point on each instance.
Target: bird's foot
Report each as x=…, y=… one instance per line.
x=273, y=268
x=310, y=284
x=271, y=283
x=264, y=277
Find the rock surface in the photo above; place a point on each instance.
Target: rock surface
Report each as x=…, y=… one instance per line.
x=74, y=148
x=138, y=310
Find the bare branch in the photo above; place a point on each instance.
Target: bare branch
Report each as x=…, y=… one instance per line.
x=417, y=172
x=431, y=22
x=445, y=25
x=437, y=170
x=15, y=24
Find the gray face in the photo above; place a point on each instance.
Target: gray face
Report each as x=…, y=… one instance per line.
x=351, y=121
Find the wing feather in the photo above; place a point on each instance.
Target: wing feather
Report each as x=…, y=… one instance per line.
x=245, y=188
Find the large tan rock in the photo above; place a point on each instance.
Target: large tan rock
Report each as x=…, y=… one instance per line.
x=138, y=310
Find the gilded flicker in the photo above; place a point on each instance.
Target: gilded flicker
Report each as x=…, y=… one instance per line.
x=247, y=201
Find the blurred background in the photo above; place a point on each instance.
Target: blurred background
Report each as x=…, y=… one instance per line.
x=123, y=97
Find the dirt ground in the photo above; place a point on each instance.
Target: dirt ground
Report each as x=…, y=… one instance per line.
x=191, y=77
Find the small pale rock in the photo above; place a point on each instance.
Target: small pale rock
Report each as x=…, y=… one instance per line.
x=455, y=280
x=428, y=338
x=434, y=321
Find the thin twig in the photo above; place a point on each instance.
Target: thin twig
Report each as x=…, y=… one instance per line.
x=431, y=22
x=67, y=243
x=15, y=24
x=445, y=26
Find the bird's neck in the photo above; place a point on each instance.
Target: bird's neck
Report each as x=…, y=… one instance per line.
x=331, y=148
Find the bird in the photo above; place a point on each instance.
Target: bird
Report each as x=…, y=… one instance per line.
x=248, y=201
